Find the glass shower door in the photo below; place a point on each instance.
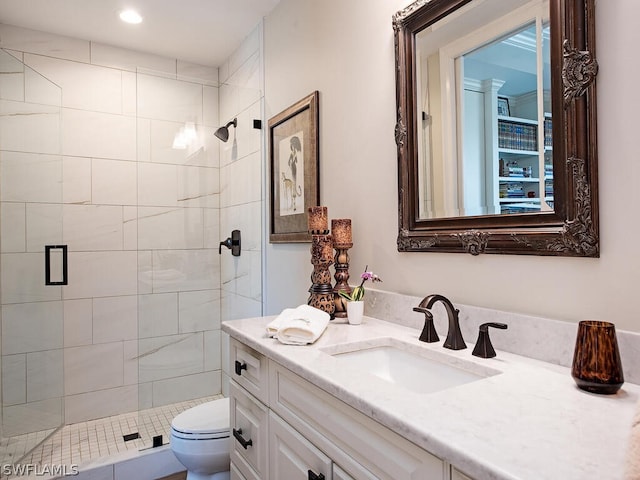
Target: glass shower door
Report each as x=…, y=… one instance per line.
x=32, y=258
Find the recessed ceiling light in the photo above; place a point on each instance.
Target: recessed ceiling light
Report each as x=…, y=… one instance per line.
x=130, y=16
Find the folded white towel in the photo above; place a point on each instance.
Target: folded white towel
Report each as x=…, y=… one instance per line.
x=632, y=471
x=298, y=326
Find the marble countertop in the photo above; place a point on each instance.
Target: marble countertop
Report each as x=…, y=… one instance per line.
x=529, y=422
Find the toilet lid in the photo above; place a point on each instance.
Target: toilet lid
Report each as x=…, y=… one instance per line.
x=209, y=417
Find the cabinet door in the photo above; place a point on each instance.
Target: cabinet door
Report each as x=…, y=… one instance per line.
x=249, y=423
x=292, y=457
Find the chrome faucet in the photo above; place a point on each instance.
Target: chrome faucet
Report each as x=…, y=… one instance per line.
x=454, y=339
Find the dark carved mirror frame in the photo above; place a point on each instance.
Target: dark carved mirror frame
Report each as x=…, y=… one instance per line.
x=572, y=228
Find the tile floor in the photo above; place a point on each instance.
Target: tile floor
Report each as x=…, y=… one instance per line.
x=96, y=439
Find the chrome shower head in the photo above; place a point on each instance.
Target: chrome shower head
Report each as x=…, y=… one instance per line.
x=223, y=132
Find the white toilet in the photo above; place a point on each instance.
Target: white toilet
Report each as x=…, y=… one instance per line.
x=200, y=440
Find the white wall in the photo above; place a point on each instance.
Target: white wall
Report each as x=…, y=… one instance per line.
x=345, y=50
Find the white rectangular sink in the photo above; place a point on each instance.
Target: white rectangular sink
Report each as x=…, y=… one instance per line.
x=419, y=370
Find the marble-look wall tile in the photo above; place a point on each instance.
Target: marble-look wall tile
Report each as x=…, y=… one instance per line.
x=44, y=225
x=158, y=315
x=198, y=311
x=129, y=93
x=242, y=89
x=249, y=47
x=40, y=90
x=170, y=228
x=185, y=270
x=129, y=60
x=235, y=306
x=145, y=272
x=44, y=375
x=22, y=279
x=32, y=417
x=12, y=78
x=93, y=367
x=211, y=227
x=210, y=109
x=101, y=403
x=130, y=348
x=13, y=224
x=157, y=185
x=193, y=72
x=76, y=180
x=171, y=356
x=212, y=350
x=130, y=227
x=241, y=181
x=27, y=127
x=31, y=327
x=96, y=134
x=52, y=45
x=113, y=182
x=143, y=139
x=14, y=379
x=92, y=227
x=85, y=87
x=198, y=187
x=101, y=274
x=78, y=322
x=243, y=140
x=30, y=177
x=247, y=218
x=166, y=99
x=183, y=388
x=115, y=319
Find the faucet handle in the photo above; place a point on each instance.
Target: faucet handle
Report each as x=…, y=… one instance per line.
x=429, y=333
x=483, y=348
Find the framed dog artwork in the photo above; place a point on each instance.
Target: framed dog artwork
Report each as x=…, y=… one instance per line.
x=294, y=161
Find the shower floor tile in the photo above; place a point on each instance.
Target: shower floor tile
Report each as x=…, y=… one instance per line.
x=89, y=441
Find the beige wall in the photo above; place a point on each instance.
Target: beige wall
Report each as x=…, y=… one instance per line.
x=344, y=49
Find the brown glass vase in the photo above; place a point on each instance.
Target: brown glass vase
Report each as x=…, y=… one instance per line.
x=597, y=367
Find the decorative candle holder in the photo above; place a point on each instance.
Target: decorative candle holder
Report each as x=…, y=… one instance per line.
x=597, y=367
x=342, y=242
x=321, y=292
x=318, y=220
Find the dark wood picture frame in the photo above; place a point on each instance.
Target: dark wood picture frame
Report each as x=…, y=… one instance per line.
x=294, y=170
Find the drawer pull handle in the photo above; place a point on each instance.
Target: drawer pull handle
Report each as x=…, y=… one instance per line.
x=245, y=443
x=313, y=476
x=240, y=367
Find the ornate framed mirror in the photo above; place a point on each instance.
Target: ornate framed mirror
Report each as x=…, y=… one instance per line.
x=496, y=127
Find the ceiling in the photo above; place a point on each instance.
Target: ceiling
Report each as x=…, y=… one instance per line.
x=200, y=31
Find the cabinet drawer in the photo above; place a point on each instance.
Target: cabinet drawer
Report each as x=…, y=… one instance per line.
x=292, y=457
x=249, y=424
x=345, y=434
x=249, y=369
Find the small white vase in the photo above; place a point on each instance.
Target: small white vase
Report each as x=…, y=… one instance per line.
x=355, y=310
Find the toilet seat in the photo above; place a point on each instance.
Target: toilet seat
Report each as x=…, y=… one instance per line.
x=207, y=421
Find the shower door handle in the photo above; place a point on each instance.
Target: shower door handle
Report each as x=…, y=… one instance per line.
x=61, y=277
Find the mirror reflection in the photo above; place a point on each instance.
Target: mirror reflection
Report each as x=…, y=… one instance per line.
x=484, y=111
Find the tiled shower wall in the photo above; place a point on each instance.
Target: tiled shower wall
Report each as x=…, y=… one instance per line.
x=241, y=174
x=139, y=323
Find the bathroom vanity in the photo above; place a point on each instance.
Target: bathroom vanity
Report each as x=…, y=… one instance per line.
x=332, y=411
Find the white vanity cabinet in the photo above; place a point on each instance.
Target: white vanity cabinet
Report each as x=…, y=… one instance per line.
x=287, y=428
